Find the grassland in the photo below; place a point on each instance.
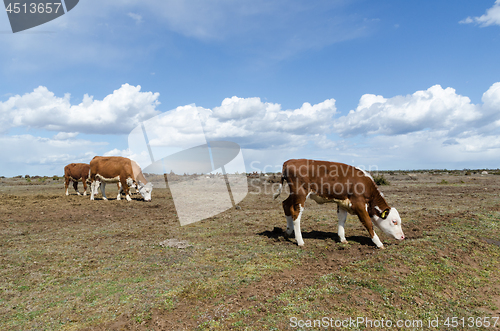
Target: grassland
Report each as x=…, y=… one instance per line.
x=67, y=263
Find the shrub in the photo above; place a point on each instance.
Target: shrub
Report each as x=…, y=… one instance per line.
x=381, y=180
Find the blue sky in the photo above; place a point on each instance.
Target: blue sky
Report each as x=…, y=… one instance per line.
x=377, y=84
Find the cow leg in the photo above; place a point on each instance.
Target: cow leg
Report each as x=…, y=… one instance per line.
x=75, y=186
x=342, y=215
x=287, y=206
x=125, y=187
x=66, y=184
x=296, y=225
x=365, y=219
x=289, y=226
x=93, y=189
x=84, y=186
x=103, y=188
x=119, y=196
x=120, y=190
x=293, y=207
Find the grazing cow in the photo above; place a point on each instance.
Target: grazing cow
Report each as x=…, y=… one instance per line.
x=117, y=169
x=76, y=172
x=352, y=189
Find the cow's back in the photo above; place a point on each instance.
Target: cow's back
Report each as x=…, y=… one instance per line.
x=111, y=166
x=77, y=170
x=327, y=179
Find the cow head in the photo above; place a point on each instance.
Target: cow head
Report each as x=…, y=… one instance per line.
x=390, y=224
x=94, y=187
x=145, y=190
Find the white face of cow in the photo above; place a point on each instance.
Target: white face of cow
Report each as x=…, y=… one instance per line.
x=145, y=191
x=391, y=225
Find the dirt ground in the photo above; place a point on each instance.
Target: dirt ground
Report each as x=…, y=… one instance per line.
x=47, y=238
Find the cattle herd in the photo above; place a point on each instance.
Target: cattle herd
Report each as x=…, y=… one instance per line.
x=350, y=188
x=108, y=169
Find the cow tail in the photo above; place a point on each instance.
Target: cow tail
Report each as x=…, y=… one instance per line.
x=283, y=179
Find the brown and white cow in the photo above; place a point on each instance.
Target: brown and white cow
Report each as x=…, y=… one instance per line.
x=76, y=172
x=117, y=169
x=352, y=189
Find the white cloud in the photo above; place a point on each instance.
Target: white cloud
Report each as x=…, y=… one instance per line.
x=492, y=17
x=118, y=152
x=251, y=123
x=117, y=113
x=435, y=108
x=248, y=121
x=433, y=125
x=28, y=154
x=254, y=116
x=491, y=98
x=65, y=135
x=136, y=17
x=433, y=128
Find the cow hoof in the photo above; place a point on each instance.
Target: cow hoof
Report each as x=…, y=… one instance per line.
x=382, y=247
x=344, y=241
x=300, y=244
x=78, y=193
x=84, y=193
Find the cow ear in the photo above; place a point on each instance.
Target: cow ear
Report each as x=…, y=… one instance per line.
x=385, y=213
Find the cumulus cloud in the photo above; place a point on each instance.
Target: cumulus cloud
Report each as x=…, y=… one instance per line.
x=248, y=121
x=491, y=98
x=435, y=126
x=492, y=17
x=255, y=116
x=435, y=108
x=437, y=117
x=117, y=113
x=142, y=158
x=28, y=154
x=65, y=135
